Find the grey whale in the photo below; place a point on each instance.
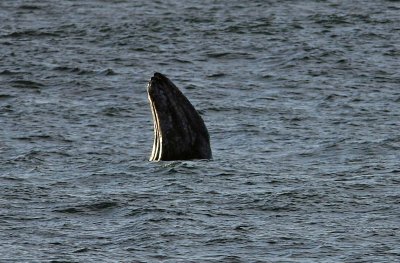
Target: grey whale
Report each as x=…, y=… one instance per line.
x=179, y=130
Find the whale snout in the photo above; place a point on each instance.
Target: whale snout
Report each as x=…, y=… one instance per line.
x=179, y=131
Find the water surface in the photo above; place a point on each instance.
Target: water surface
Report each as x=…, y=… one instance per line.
x=301, y=99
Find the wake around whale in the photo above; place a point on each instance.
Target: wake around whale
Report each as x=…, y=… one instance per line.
x=179, y=131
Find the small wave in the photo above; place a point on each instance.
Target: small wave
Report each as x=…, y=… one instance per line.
x=230, y=55
x=34, y=157
x=329, y=20
x=75, y=70
x=216, y=75
x=5, y=96
x=82, y=250
x=116, y=112
x=31, y=33
x=334, y=97
x=26, y=84
x=42, y=137
x=30, y=7
x=87, y=208
x=183, y=61
x=107, y=72
x=7, y=72
x=33, y=137
x=261, y=26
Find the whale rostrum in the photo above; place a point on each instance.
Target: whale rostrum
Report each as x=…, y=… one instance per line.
x=179, y=131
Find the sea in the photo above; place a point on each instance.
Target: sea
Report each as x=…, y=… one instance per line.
x=301, y=100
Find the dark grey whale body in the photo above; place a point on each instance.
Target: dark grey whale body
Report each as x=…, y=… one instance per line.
x=179, y=131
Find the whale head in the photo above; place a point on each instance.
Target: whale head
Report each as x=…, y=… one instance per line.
x=179, y=131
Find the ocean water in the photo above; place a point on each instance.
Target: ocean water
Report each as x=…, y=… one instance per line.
x=301, y=100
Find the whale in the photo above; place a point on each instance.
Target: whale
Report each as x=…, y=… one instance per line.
x=179, y=130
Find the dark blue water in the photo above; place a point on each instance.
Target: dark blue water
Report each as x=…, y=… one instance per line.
x=301, y=99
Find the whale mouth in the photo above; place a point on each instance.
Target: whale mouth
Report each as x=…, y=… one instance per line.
x=179, y=131
x=157, y=90
x=157, y=149
x=156, y=153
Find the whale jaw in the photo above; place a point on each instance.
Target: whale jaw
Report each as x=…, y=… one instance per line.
x=179, y=131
